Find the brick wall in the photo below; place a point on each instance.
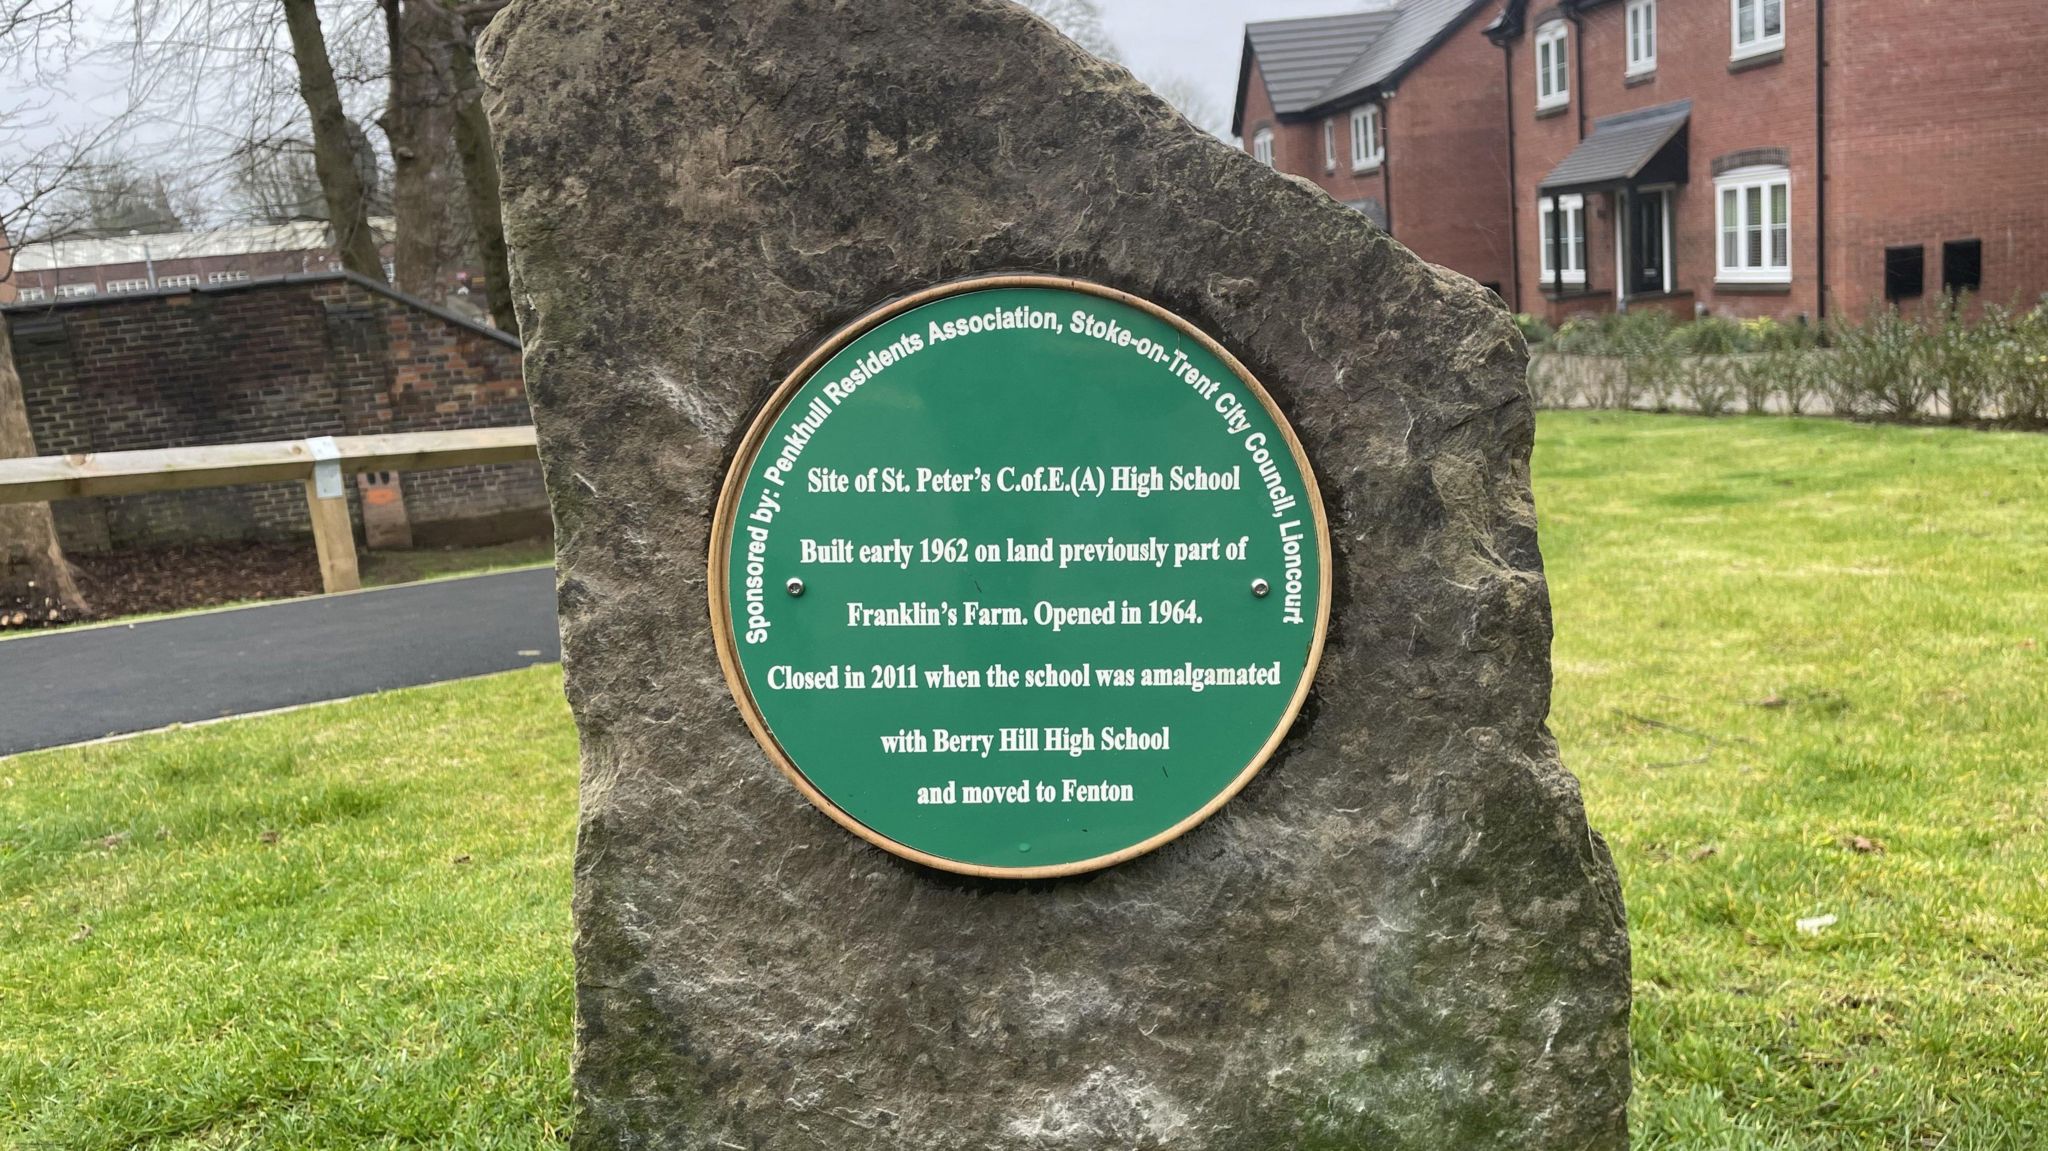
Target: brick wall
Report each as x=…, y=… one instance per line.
x=1447, y=156
x=1937, y=131
x=1442, y=188
x=1296, y=145
x=1754, y=104
x=269, y=360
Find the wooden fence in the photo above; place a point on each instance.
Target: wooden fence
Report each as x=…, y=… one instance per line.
x=319, y=463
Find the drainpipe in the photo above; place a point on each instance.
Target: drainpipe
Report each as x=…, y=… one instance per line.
x=1507, y=57
x=1386, y=101
x=1578, y=23
x=1820, y=149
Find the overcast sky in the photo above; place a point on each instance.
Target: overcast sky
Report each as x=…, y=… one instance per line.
x=1199, y=39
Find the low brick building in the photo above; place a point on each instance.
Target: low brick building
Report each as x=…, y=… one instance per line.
x=1396, y=111
x=276, y=359
x=1790, y=158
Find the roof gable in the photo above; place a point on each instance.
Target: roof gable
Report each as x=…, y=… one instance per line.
x=1300, y=58
x=1324, y=59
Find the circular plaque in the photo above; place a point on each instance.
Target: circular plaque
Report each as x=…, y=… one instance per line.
x=1020, y=576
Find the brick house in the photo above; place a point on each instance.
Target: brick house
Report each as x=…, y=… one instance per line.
x=1397, y=111
x=75, y=268
x=1788, y=158
x=282, y=358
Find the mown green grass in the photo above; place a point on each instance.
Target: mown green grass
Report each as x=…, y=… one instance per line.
x=392, y=970
x=1774, y=636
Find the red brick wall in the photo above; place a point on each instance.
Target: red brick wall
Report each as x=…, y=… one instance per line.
x=267, y=361
x=1938, y=130
x=1447, y=147
x=1296, y=146
x=1767, y=105
x=1443, y=186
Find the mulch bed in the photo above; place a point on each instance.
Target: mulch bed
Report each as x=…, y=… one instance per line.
x=197, y=575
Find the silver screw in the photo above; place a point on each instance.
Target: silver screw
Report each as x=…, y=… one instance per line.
x=1260, y=588
x=795, y=586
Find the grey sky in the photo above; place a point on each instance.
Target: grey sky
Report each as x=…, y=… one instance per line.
x=1199, y=39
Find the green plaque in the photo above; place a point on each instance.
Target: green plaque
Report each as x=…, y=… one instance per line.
x=1020, y=576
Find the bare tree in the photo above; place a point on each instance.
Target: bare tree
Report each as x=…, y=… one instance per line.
x=1195, y=104
x=112, y=195
x=480, y=178
x=1081, y=20
x=35, y=582
x=334, y=153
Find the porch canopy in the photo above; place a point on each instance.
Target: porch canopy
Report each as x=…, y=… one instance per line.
x=1632, y=149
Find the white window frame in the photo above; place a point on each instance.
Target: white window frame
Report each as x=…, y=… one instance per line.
x=1368, y=138
x=31, y=295
x=1553, y=63
x=1569, y=211
x=1772, y=248
x=226, y=277
x=185, y=280
x=127, y=286
x=77, y=291
x=1262, y=146
x=1761, y=42
x=1330, y=144
x=1640, y=29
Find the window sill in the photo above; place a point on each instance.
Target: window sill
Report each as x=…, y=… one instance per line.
x=1367, y=169
x=1634, y=79
x=1761, y=58
x=1545, y=111
x=1754, y=287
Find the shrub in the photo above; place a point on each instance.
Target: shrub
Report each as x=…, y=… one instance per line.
x=1535, y=332
x=1713, y=336
x=2016, y=365
x=1758, y=377
x=1581, y=336
x=1709, y=384
x=1955, y=357
x=1878, y=368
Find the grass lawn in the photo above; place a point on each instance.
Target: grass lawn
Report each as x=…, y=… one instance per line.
x=1802, y=670
x=380, y=569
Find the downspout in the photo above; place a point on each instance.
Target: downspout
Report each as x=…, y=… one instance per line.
x=1507, y=57
x=1386, y=159
x=1578, y=68
x=1820, y=149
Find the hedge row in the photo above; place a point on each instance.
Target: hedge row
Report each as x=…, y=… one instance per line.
x=1993, y=368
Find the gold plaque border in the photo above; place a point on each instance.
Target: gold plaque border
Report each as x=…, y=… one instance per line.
x=721, y=566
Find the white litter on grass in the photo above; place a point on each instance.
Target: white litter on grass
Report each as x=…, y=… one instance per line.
x=1814, y=925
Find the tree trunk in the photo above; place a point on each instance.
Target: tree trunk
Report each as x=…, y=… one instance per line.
x=35, y=583
x=480, y=179
x=420, y=123
x=334, y=154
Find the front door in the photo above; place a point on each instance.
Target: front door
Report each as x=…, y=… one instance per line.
x=1648, y=254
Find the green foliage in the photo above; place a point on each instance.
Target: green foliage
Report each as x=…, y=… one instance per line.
x=1713, y=336
x=1993, y=368
x=1535, y=332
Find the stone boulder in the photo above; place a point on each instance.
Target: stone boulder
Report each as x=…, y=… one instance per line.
x=1402, y=934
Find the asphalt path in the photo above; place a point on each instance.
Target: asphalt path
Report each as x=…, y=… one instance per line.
x=65, y=687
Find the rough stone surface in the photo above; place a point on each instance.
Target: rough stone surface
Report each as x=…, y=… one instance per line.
x=1402, y=934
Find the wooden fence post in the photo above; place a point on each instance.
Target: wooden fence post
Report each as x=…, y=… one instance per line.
x=327, y=507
